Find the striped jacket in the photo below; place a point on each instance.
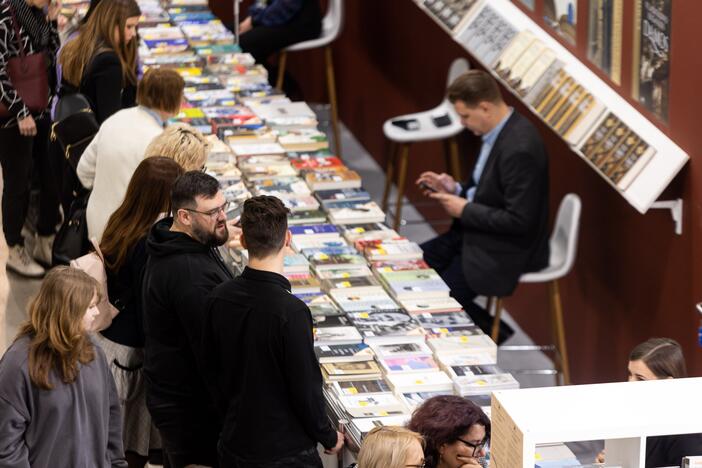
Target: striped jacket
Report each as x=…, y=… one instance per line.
x=9, y=49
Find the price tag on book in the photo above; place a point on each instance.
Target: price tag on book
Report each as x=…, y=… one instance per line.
x=463, y=339
x=383, y=413
x=343, y=284
x=352, y=391
x=363, y=315
x=362, y=403
x=346, y=275
x=359, y=230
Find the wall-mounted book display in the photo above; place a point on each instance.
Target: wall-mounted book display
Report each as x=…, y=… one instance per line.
x=604, y=36
x=627, y=150
x=652, y=55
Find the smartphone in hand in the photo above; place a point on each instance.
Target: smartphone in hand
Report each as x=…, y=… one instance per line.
x=424, y=186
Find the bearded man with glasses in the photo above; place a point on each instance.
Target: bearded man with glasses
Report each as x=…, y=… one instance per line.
x=184, y=266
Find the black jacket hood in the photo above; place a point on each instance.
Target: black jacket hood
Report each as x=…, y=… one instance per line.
x=163, y=242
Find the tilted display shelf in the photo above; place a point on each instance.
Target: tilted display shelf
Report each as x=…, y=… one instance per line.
x=669, y=158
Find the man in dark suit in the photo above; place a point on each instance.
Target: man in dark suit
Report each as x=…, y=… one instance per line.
x=500, y=229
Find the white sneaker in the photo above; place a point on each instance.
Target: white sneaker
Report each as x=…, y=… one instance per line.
x=21, y=263
x=42, y=249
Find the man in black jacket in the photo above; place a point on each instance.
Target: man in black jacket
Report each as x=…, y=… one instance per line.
x=260, y=357
x=501, y=213
x=183, y=267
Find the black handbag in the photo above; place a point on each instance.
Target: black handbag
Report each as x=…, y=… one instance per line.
x=75, y=126
x=72, y=241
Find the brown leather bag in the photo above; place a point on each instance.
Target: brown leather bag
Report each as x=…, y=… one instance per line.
x=29, y=76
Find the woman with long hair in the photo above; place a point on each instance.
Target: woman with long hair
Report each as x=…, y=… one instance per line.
x=26, y=27
x=391, y=447
x=59, y=403
x=124, y=248
x=101, y=62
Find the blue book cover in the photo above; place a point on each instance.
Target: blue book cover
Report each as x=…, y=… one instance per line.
x=311, y=229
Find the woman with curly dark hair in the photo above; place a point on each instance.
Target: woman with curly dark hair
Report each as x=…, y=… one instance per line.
x=455, y=430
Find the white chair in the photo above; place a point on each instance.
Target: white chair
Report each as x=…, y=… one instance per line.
x=564, y=246
x=331, y=28
x=401, y=140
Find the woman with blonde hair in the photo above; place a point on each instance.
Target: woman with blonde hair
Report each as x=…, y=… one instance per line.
x=391, y=447
x=120, y=145
x=183, y=143
x=59, y=403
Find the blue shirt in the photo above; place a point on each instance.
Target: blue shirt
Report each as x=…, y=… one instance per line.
x=488, y=142
x=155, y=115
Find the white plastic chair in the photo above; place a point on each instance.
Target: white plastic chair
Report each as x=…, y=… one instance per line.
x=401, y=140
x=332, y=24
x=563, y=245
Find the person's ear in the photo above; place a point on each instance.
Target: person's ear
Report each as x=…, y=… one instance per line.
x=242, y=241
x=288, y=238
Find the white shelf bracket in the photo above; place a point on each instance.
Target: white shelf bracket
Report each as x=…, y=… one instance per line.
x=675, y=207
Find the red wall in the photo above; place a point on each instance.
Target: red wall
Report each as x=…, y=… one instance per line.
x=634, y=278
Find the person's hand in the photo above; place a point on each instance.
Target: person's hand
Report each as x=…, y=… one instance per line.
x=468, y=462
x=442, y=183
x=53, y=10
x=452, y=204
x=600, y=457
x=27, y=126
x=339, y=444
x=245, y=26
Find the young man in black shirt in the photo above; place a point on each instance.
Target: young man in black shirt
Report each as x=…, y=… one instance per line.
x=184, y=266
x=258, y=345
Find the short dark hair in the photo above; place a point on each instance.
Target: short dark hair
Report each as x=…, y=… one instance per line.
x=474, y=87
x=663, y=356
x=161, y=89
x=264, y=222
x=190, y=185
x=443, y=419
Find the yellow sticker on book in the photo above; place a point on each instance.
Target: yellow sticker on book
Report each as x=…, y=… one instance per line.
x=463, y=339
x=537, y=456
x=443, y=330
x=352, y=391
x=481, y=382
x=363, y=315
x=362, y=403
x=346, y=275
x=419, y=382
x=359, y=230
x=344, y=284
x=323, y=256
x=383, y=413
x=387, y=270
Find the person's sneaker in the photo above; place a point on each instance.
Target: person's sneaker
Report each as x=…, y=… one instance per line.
x=21, y=263
x=42, y=250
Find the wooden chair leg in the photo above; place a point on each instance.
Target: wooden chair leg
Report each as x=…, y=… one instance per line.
x=489, y=304
x=331, y=89
x=389, y=174
x=557, y=310
x=282, y=59
x=455, y=165
x=496, y=319
x=401, y=181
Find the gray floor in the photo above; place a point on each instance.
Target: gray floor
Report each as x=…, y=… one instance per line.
x=356, y=157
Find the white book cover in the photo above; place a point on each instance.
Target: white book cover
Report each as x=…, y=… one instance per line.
x=336, y=335
x=379, y=404
x=462, y=344
x=253, y=148
x=422, y=382
x=430, y=305
x=402, y=349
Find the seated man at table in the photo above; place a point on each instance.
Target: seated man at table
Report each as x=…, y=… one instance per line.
x=260, y=358
x=500, y=230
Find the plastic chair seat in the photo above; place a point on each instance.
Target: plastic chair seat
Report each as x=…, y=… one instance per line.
x=427, y=130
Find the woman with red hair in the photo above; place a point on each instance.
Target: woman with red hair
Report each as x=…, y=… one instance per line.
x=455, y=430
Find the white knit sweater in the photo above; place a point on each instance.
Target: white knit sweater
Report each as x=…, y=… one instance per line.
x=109, y=161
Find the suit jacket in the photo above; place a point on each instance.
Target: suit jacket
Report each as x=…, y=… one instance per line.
x=505, y=227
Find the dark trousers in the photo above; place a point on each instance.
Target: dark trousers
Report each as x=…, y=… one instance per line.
x=308, y=458
x=19, y=156
x=444, y=254
x=263, y=41
x=189, y=435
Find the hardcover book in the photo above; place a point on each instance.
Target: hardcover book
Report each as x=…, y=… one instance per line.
x=361, y=387
x=343, y=353
x=409, y=364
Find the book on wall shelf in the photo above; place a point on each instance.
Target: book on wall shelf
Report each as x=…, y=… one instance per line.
x=450, y=14
x=604, y=36
x=651, y=73
x=562, y=16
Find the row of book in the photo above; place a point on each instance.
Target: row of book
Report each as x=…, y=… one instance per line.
x=387, y=333
x=528, y=66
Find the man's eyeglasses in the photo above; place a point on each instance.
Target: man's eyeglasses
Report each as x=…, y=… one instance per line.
x=214, y=212
x=476, y=447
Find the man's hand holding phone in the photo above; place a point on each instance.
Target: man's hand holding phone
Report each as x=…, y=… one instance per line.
x=431, y=182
